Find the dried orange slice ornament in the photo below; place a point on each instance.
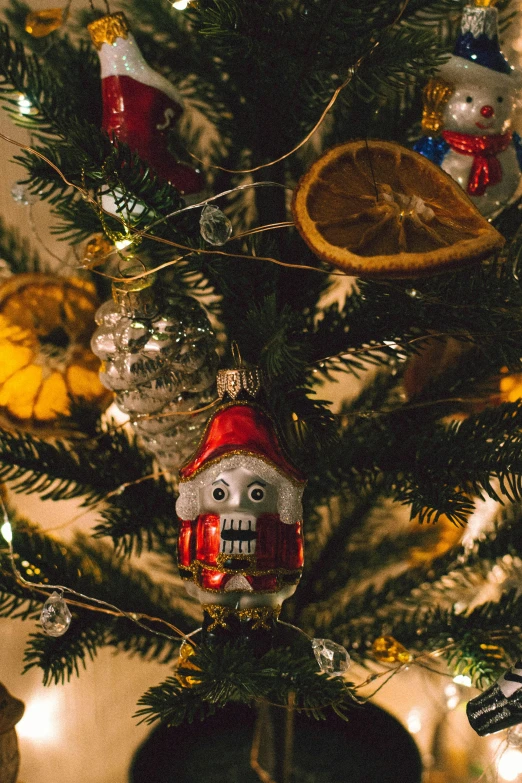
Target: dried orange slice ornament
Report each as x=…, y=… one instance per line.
x=376, y=209
x=46, y=323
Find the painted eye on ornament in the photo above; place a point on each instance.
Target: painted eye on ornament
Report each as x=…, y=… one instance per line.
x=256, y=494
x=500, y=99
x=469, y=99
x=219, y=494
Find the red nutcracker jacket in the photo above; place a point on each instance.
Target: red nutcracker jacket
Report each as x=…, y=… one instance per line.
x=278, y=558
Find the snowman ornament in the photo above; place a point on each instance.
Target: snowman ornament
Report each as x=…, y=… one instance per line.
x=240, y=545
x=468, y=111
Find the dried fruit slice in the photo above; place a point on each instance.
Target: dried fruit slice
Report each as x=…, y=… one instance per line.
x=46, y=323
x=412, y=220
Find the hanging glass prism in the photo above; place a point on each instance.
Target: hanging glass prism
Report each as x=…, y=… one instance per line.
x=56, y=617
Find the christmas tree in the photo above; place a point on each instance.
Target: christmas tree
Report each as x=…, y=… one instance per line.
x=239, y=177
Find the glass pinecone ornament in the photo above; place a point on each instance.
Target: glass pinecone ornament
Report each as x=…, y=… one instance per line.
x=158, y=353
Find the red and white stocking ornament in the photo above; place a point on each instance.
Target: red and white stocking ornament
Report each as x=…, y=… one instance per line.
x=140, y=106
x=241, y=543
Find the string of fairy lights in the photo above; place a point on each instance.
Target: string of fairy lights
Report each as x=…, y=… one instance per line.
x=508, y=753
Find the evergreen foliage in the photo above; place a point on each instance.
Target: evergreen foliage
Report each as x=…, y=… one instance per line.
x=256, y=77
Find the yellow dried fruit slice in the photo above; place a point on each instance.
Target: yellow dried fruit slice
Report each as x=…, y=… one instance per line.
x=377, y=209
x=46, y=323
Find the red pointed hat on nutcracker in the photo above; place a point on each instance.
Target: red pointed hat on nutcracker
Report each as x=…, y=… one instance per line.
x=241, y=434
x=240, y=428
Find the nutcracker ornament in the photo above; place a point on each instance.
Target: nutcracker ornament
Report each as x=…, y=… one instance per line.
x=240, y=544
x=468, y=112
x=140, y=106
x=500, y=706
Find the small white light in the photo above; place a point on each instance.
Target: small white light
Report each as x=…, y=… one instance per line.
x=463, y=679
x=121, y=244
x=413, y=721
x=7, y=531
x=24, y=105
x=180, y=5
x=510, y=764
x=40, y=722
x=452, y=696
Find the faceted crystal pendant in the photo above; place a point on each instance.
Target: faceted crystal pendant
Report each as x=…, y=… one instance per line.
x=41, y=23
x=97, y=251
x=332, y=658
x=214, y=225
x=56, y=617
x=388, y=650
x=22, y=195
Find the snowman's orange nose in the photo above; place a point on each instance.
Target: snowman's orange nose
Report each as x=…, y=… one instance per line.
x=487, y=111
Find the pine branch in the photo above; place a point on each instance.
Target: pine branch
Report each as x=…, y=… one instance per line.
x=16, y=251
x=138, y=512
x=231, y=674
x=96, y=571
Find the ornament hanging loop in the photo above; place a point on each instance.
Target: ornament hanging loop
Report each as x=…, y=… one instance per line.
x=236, y=355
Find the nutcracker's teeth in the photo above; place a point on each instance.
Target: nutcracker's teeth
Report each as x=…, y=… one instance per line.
x=239, y=533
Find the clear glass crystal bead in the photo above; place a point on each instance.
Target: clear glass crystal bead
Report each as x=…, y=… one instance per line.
x=332, y=658
x=214, y=225
x=22, y=195
x=55, y=617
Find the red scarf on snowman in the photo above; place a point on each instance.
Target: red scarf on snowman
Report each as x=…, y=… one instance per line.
x=486, y=169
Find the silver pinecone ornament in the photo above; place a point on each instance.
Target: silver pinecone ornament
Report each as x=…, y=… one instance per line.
x=158, y=354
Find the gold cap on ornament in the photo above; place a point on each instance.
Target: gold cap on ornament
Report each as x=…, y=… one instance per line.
x=239, y=379
x=108, y=29
x=135, y=296
x=485, y=3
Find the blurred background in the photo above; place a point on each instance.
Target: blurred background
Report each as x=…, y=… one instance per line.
x=84, y=731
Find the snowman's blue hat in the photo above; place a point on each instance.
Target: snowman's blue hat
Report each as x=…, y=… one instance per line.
x=478, y=39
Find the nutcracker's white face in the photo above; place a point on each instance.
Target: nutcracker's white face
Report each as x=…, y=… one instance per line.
x=239, y=489
x=480, y=109
x=238, y=496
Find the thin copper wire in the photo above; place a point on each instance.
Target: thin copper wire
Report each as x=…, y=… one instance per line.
x=147, y=416
x=146, y=235
x=104, y=606
x=331, y=102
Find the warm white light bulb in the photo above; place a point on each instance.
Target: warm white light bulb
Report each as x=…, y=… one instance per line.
x=463, y=679
x=7, y=531
x=510, y=764
x=452, y=696
x=40, y=722
x=180, y=5
x=413, y=721
x=121, y=244
x=24, y=104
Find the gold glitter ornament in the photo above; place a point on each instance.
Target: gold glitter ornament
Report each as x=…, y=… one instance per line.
x=435, y=96
x=42, y=23
x=186, y=651
x=97, y=251
x=386, y=649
